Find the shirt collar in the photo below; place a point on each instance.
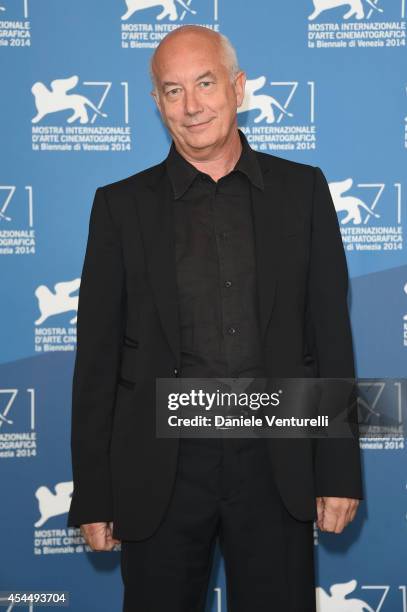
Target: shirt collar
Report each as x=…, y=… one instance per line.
x=182, y=173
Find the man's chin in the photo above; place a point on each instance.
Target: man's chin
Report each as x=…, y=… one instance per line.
x=200, y=140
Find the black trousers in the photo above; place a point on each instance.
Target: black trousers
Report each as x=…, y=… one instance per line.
x=224, y=488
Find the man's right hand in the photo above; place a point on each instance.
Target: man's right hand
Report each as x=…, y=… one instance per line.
x=99, y=535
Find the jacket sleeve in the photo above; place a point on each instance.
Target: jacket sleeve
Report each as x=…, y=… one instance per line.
x=337, y=461
x=99, y=335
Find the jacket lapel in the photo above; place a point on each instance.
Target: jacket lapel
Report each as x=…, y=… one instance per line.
x=267, y=222
x=157, y=222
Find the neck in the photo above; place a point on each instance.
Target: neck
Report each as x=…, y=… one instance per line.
x=218, y=162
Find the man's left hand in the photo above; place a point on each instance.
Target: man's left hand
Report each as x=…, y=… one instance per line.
x=334, y=513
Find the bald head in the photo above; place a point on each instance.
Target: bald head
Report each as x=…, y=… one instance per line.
x=191, y=35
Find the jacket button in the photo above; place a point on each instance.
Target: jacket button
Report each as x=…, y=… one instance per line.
x=175, y=372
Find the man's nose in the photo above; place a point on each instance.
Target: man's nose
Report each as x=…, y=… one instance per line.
x=192, y=104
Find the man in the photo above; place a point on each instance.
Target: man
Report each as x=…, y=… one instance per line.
x=219, y=261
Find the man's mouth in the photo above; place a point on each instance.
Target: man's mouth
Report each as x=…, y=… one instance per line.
x=197, y=126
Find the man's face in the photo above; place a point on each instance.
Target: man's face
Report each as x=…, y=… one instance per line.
x=195, y=95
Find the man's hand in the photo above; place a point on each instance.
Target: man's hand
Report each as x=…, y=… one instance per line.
x=334, y=513
x=99, y=535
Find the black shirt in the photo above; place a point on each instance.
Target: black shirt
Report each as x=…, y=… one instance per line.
x=216, y=268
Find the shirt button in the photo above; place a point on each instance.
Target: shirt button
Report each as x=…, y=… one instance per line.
x=175, y=372
x=228, y=283
x=231, y=330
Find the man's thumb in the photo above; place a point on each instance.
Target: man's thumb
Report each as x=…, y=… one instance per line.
x=110, y=534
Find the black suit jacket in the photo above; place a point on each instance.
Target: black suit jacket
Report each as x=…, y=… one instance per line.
x=128, y=334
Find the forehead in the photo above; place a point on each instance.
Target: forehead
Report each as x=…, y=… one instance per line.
x=184, y=60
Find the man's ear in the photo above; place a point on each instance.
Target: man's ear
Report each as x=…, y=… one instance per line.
x=156, y=99
x=239, y=83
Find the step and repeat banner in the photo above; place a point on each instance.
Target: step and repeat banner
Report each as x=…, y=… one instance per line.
x=327, y=86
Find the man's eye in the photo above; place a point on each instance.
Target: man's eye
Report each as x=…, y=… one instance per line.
x=206, y=83
x=172, y=92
